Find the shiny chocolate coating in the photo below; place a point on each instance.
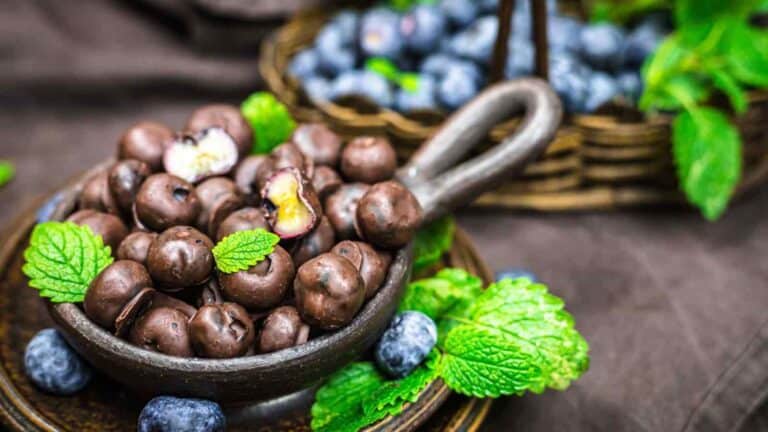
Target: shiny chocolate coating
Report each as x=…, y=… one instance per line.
x=251, y=175
x=219, y=197
x=247, y=218
x=164, y=330
x=329, y=291
x=368, y=160
x=318, y=142
x=96, y=195
x=165, y=200
x=146, y=141
x=283, y=328
x=132, y=311
x=263, y=285
x=180, y=258
x=326, y=181
x=227, y=117
x=288, y=155
x=135, y=247
x=388, y=215
x=341, y=207
x=210, y=293
x=221, y=331
x=112, y=289
x=110, y=227
x=371, y=264
x=124, y=179
x=319, y=241
x=160, y=300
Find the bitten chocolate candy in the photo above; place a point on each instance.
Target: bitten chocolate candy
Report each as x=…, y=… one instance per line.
x=252, y=174
x=388, y=215
x=124, y=179
x=162, y=330
x=227, y=117
x=97, y=196
x=112, y=289
x=262, y=286
x=111, y=229
x=180, y=258
x=145, y=141
x=283, y=328
x=165, y=200
x=368, y=160
x=135, y=247
x=318, y=142
x=245, y=219
x=329, y=291
x=219, y=197
x=326, y=181
x=319, y=241
x=221, y=331
x=290, y=203
x=341, y=206
x=371, y=264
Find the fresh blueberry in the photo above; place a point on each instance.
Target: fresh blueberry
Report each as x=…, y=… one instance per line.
x=569, y=79
x=53, y=366
x=422, y=98
x=477, y=41
x=490, y=6
x=515, y=273
x=334, y=56
x=602, y=88
x=405, y=344
x=519, y=59
x=304, y=64
x=422, y=28
x=564, y=33
x=524, y=6
x=436, y=64
x=172, y=414
x=641, y=43
x=318, y=89
x=602, y=45
x=347, y=21
x=380, y=35
x=363, y=83
x=460, y=13
x=630, y=84
x=45, y=212
x=457, y=87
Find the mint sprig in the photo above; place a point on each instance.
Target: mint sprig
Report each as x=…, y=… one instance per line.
x=7, y=171
x=270, y=120
x=62, y=259
x=243, y=249
x=432, y=242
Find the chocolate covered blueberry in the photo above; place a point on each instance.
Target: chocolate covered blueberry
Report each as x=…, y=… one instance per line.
x=318, y=142
x=112, y=289
x=162, y=330
x=370, y=263
x=341, y=207
x=210, y=293
x=207, y=153
x=165, y=200
x=263, y=285
x=135, y=246
x=146, y=141
x=221, y=331
x=319, y=241
x=368, y=160
x=110, y=227
x=251, y=175
x=388, y=215
x=283, y=328
x=326, y=181
x=288, y=155
x=124, y=179
x=219, y=197
x=96, y=195
x=248, y=218
x=227, y=117
x=329, y=291
x=290, y=203
x=180, y=258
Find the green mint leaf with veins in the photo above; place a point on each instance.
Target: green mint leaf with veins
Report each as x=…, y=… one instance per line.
x=338, y=405
x=62, y=259
x=450, y=289
x=270, y=120
x=516, y=337
x=391, y=397
x=7, y=171
x=243, y=249
x=432, y=241
x=707, y=152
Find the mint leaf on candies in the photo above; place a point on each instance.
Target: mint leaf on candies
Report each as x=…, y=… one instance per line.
x=243, y=249
x=62, y=259
x=432, y=241
x=270, y=120
x=7, y=171
x=516, y=337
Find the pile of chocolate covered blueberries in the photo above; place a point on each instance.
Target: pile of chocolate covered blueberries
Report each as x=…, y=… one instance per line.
x=170, y=197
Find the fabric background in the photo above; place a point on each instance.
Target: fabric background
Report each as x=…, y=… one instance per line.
x=674, y=307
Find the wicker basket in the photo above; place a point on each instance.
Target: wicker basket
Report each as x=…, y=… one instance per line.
x=601, y=161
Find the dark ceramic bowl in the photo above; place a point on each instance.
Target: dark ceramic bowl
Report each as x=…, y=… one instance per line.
x=438, y=189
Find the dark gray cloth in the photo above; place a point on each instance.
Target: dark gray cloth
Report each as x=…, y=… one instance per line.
x=674, y=307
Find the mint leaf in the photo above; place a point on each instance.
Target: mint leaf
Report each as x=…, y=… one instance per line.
x=516, y=337
x=448, y=290
x=270, y=120
x=746, y=52
x=730, y=87
x=62, y=259
x=707, y=152
x=243, y=249
x=432, y=241
x=338, y=403
x=7, y=171
x=391, y=397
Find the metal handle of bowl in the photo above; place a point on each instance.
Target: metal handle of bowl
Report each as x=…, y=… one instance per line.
x=440, y=188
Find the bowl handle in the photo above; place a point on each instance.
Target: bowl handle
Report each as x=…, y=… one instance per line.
x=440, y=188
